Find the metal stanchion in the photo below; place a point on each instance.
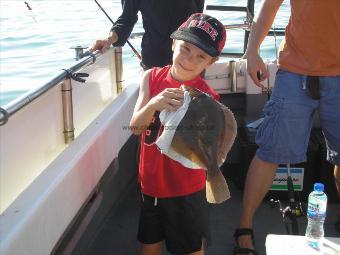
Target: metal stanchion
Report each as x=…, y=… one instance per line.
x=119, y=68
x=66, y=91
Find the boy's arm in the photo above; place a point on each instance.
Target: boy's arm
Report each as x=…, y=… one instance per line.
x=259, y=30
x=142, y=115
x=145, y=108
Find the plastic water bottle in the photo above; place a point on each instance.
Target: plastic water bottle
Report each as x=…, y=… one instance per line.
x=316, y=214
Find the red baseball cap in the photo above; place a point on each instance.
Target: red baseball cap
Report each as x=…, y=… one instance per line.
x=203, y=31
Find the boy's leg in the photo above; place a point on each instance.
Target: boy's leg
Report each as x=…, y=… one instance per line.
x=201, y=252
x=156, y=249
x=185, y=222
x=150, y=233
x=151, y=249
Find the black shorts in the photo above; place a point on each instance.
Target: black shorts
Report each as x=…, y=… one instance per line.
x=181, y=221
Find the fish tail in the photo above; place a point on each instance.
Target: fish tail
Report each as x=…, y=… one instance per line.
x=217, y=190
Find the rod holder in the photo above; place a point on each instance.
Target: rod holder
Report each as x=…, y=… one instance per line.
x=79, y=50
x=233, y=76
x=119, y=68
x=66, y=91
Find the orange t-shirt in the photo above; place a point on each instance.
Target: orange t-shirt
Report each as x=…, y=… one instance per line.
x=312, y=42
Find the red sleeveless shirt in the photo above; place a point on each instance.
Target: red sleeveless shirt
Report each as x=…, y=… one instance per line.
x=159, y=175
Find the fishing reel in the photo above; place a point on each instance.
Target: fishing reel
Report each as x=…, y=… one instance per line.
x=292, y=211
x=297, y=209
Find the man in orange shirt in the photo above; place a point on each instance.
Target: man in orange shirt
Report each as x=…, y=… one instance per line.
x=311, y=54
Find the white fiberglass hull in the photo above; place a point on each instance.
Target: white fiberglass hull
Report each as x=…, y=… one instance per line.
x=52, y=195
x=44, y=182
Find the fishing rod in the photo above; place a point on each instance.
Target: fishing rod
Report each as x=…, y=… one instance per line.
x=30, y=10
x=28, y=6
x=132, y=48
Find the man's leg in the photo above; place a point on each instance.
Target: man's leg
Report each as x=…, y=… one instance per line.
x=337, y=183
x=260, y=176
x=337, y=178
x=278, y=140
x=330, y=121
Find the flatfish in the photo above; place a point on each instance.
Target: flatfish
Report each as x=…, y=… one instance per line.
x=199, y=135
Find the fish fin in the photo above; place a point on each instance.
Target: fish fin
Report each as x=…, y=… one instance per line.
x=228, y=136
x=217, y=190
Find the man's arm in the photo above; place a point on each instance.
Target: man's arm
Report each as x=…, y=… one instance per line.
x=122, y=28
x=259, y=30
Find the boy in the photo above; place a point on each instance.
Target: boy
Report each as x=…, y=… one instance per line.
x=174, y=203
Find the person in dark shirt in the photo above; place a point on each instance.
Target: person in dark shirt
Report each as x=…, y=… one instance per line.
x=160, y=19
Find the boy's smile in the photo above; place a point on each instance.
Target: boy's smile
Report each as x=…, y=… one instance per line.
x=189, y=61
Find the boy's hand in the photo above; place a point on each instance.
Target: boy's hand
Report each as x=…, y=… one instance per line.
x=170, y=99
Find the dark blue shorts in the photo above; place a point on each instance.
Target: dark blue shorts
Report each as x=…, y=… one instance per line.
x=182, y=222
x=284, y=134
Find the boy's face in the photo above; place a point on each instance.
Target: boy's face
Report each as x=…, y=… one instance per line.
x=188, y=61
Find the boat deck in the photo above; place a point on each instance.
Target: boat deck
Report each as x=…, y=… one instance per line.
x=118, y=232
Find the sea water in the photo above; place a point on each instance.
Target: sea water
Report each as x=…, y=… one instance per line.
x=35, y=44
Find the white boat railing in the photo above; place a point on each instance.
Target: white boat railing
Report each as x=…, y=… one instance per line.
x=13, y=106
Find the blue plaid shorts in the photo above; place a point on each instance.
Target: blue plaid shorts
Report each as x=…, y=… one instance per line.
x=284, y=133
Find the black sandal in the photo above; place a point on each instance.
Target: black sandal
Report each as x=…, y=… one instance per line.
x=241, y=232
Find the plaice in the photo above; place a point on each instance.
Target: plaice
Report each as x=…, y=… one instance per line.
x=199, y=135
